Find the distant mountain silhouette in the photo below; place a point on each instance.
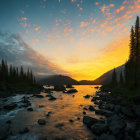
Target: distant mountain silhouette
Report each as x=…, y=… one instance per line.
x=58, y=80
x=106, y=77
x=86, y=82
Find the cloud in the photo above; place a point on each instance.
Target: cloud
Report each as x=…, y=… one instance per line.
x=84, y=24
x=17, y=52
x=37, y=28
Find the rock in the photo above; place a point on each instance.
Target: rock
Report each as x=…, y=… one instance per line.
x=115, y=124
x=84, y=112
x=78, y=118
x=59, y=88
x=71, y=121
x=59, y=125
x=41, y=122
x=99, y=128
x=10, y=106
x=9, y=121
x=127, y=111
x=87, y=96
x=48, y=114
x=38, y=96
x=52, y=98
x=104, y=112
x=130, y=129
x=138, y=135
x=94, y=99
x=30, y=109
x=136, y=110
x=41, y=106
x=25, y=130
x=4, y=130
x=136, y=99
x=85, y=108
x=49, y=95
x=72, y=91
x=89, y=121
x=109, y=106
x=106, y=137
x=117, y=108
x=69, y=86
x=91, y=108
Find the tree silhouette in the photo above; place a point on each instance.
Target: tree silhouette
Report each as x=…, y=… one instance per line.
x=132, y=66
x=114, y=79
x=11, y=74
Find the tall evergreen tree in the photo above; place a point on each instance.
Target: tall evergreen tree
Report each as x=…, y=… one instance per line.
x=114, y=79
x=121, y=79
x=132, y=67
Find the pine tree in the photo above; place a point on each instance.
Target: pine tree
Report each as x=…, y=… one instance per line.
x=132, y=67
x=114, y=79
x=121, y=79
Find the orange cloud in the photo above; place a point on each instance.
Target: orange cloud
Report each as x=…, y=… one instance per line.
x=37, y=28
x=96, y=3
x=84, y=24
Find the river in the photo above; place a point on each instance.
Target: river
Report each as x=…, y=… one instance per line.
x=64, y=122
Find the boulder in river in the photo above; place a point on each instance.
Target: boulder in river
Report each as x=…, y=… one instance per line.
x=59, y=87
x=29, y=109
x=38, y=95
x=23, y=131
x=69, y=86
x=10, y=106
x=41, y=122
x=89, y=121
x=52, y=98
x=87, y=96
x=91, y=108
x=72, y=91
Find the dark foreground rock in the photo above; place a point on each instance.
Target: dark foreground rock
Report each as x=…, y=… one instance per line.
x=10, y=106
x=72, y=91
x=104, y=112
x=87, y=96
x=99, y=128
x=41, y=122
x=39, y=96
x=106, y=137
x=115, y=124
x=89, y=121
x=24, y=130
x=59, y=87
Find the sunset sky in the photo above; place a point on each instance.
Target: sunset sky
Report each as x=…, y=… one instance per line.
x=85, y=38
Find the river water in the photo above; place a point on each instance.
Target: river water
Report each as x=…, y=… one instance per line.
x=58, y=125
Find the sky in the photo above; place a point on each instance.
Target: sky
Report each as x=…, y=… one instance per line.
x=85, y=38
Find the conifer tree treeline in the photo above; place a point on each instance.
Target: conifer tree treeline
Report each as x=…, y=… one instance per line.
x=11, y=74
x=132, y=66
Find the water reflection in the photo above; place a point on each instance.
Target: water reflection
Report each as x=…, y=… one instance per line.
x=64, y=120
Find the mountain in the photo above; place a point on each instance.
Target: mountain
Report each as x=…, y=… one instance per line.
x=86, y=82
x=106, y=77
x=58, y=80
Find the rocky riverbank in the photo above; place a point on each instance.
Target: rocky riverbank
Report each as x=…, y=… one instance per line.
x=122, y=117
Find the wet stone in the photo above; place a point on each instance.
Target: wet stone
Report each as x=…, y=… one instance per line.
x=41, y=122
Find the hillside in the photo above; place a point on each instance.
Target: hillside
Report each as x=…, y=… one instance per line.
x=106, y=77
x=58, y=80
